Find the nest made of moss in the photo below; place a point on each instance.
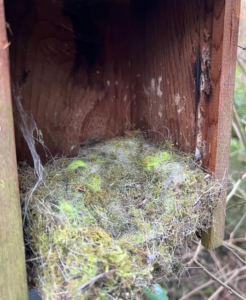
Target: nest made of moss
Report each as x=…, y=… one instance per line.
x=115, y=219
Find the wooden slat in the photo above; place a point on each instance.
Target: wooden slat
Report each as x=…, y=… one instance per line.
x=70, y=66
x=165, y=43
x=217, y=110
x=13, y=284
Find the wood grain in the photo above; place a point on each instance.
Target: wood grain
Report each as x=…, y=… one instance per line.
x=13, y=284
x=165, y=51
x=77, y=61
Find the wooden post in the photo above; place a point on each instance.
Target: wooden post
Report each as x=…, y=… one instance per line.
x=219, y=108
x=13, y=284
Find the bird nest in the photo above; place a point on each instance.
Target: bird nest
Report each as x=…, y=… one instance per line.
x=114, y=220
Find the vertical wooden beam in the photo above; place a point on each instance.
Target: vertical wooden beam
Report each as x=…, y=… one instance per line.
x=13, y=284
x=220, y=104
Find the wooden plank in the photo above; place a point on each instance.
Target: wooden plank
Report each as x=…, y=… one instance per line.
x=217, y=110
x=165, y=42
x=70, y=66
x=13, y=284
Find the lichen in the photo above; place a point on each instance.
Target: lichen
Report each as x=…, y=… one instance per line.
x=122, y=210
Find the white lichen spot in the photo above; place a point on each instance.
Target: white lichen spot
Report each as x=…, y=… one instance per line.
x=160, y=111
x=177, y=99
x=125, y=98
x=116, y=82
x=154, y=89
x=180, y=110
x=158, y=91
x=179, y=102
x=108, y=82
x=152, y=85
x=198, y=155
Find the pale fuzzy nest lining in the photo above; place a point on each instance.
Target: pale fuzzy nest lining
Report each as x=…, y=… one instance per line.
x=122, y=205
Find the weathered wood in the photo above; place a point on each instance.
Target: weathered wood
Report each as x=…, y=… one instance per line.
x=70, y=66
x=13, y=284
x=165, y=44
x=216, y=110
x=183, y=76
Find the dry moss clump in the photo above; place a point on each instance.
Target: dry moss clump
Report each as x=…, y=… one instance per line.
x=115, y=219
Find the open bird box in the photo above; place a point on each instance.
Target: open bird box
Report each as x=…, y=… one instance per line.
x=91, y=69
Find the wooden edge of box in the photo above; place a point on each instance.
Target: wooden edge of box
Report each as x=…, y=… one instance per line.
x=223, y=64
x=13, y=283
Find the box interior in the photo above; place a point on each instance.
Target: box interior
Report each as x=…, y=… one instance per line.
x=91, y=69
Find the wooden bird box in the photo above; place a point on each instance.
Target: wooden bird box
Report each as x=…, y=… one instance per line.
x=91, y=69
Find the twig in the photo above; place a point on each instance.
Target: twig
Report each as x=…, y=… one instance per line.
x=242, y=191
x=239, y=278
x=236, y=186
x=93, y=280
x=235, y=254
x=217, y=262
x=206, y=284
x=33, y=259
x=237, y=240
x=238, y=249
x=237, y=203
x=237, y=227
x=197, y=289
x=241, y=65
x=241, y=47
x=240, y=196
x=220, y=289
x=224, y=285
x=238, y=127
x=195, y=255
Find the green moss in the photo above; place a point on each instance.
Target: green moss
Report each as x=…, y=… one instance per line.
x=69, y=210
x=170, y=205
x=77, y=164
x=152, y=161
x=94, y=182
x=122, y=205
